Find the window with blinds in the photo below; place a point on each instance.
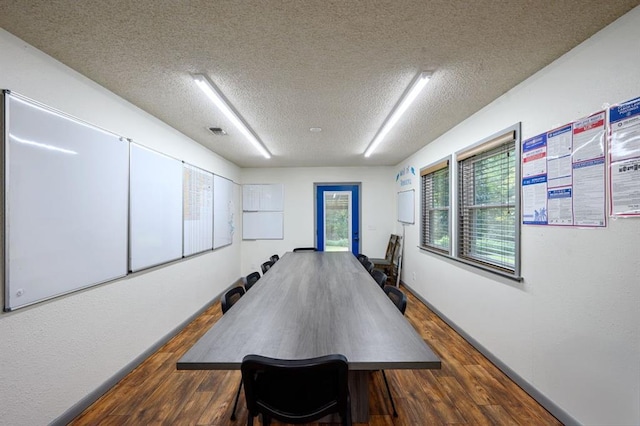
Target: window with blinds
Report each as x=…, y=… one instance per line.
x=435, y=208
x=488, y=211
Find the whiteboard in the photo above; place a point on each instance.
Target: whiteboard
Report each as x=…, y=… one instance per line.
x=223, y=209
x=263, y=197
x=155, y=208
x=197, y=210
x=262, y=225
x=65, y=203
x=406, y=206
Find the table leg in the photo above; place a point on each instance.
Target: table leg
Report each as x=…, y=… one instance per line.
x=359, y=390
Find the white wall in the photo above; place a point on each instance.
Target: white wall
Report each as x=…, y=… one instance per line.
x=378, y=208
x=572, y=328
x=55, y=353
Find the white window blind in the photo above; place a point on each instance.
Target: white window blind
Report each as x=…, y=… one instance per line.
x=435, y=208
x=487, y=222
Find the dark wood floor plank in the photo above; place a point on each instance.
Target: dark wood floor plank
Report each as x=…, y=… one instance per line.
x=500, y=416
x=469, y=410
x=468, y=390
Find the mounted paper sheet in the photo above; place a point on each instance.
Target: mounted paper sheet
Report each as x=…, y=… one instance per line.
x=197, y=200
x=624, y=171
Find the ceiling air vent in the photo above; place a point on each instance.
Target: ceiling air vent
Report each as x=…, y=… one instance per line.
x=217, y=131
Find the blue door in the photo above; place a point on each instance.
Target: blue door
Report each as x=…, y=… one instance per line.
x=338, y=217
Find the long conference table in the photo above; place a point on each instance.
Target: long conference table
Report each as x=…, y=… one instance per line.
x=314, y=304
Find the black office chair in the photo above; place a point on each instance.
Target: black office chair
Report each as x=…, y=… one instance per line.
x=266, y=266
x=274, y=258
x=368, y=266
x=230, y=298
x=362, y=258
x=303, y=249
x=397, y=297
x=380, y=277
x=296, y=391
x=250, y=280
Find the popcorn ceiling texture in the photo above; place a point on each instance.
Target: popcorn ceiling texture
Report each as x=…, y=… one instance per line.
x=290, y=65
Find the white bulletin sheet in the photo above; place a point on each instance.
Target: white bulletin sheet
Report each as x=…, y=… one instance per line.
x=589, y=193
x=534, y=180
x=624, y=151
x=560, y=207
x=589, y=138
x=559, y=149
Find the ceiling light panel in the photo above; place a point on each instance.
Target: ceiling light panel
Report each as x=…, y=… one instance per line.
x=401, y=107
x=216, y=96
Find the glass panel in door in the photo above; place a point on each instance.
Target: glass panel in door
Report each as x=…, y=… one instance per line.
x=337, y=221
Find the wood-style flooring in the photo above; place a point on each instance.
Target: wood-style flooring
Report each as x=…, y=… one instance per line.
x=468, y=390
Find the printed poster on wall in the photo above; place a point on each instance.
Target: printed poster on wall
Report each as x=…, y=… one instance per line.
x=560, y=176
x=624, y=154
x=534, y=180
x=563, y=175
x=588, y=167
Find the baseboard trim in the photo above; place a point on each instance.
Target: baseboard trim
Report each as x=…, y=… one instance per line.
x=548, y=404
x=75, y=410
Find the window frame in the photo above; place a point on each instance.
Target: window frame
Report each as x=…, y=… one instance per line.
x=491, y=142
x=430, y=170
x=509, y=135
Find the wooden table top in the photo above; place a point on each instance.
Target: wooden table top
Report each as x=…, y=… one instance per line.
x=309, y=305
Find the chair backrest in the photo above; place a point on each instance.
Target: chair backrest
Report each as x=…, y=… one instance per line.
x=251, y=279
x=388, y=255
x=397, y=250
x=397, y=297
x=296, y=391
x=380, y=277
x=274, y=258
x=301, y=249
x=362, y=257
x=368, y=265
x=230, y=298
x=266, y=266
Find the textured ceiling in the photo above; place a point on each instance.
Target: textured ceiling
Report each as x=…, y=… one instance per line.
x=287, y=66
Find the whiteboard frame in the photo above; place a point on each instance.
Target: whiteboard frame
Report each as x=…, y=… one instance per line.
x=275, y=232
x=270, y=197
x=133, y=249
x=407, y=204
x=107, y=277
x=230, y=228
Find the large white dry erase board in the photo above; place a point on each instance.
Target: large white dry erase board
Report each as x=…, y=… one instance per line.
x=197, y=198
x=65, y=203
x=263, y=217
x=262, y=225
x=155, y=208
x=263, y=197
x=223, y=207
x=406, y=206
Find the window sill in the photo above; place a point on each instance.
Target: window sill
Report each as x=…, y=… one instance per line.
x=512, y=277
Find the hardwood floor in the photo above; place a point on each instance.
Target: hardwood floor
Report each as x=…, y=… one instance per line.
x=467, y=390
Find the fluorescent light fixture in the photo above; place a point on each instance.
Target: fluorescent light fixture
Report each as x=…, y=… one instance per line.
x=405, y=101
x=221, y=102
